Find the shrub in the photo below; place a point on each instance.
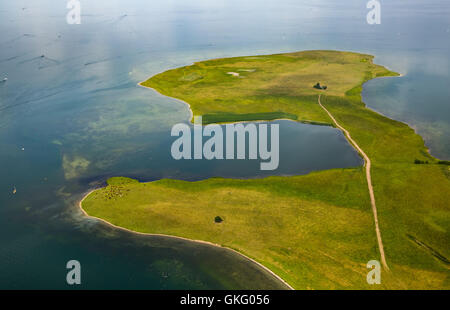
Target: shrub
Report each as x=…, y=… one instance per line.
x=420, y=162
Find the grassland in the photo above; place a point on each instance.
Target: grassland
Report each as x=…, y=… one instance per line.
x=315, y=231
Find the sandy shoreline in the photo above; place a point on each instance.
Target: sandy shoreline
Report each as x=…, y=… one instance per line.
x=80, y=206
x=190, y=110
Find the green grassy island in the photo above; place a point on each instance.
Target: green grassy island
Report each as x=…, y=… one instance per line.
x=315, y=231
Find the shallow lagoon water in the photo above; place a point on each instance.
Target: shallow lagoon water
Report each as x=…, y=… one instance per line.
x=81, y=118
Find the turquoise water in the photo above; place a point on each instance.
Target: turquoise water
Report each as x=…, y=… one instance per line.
x=80, y=118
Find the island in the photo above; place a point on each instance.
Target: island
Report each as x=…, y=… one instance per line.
x=315, y=231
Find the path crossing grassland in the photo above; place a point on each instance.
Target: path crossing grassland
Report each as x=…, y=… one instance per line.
x=369, y=184
x=314, y=231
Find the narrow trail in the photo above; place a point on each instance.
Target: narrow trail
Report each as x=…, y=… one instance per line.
x=369, y=184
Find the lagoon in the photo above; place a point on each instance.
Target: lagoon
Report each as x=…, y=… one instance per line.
x=81, y=118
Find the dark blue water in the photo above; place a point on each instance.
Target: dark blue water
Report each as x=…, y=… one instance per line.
x=71, y=102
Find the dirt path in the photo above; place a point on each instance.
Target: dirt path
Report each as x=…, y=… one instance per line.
x=369, y=184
